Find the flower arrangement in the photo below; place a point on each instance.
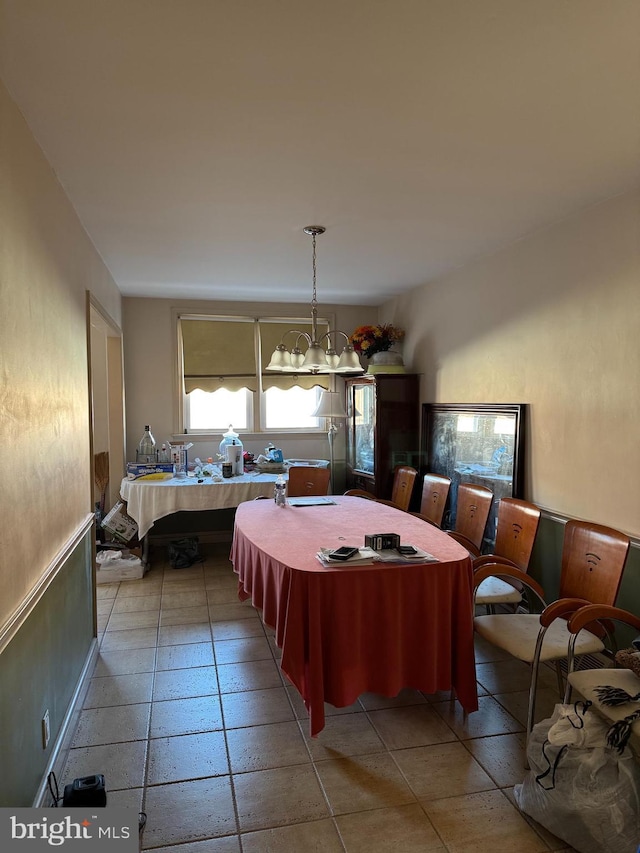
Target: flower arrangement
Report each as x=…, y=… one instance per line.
x=368, y=340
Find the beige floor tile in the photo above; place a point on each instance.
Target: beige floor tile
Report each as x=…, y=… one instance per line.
x=242, y=649
x=188, y=811
x=115, y=663
x=181, y=576
x=136, y=603
x=502, y=756
x=132, y=638
x=104, y=606
x=236, y=629
x=442, y=770
x=402, y=828
x=217, y=596
x=264, y=747
x=139, y=619
x=150, y=584
x=194, y=598
x=222, y=580
x=185, y=716
x=112, y=725
x=232, y=614
x=229, y=844
x=344, y=734
x=283, y=795
x=125, y=798
x=106, y=591
x=249, y=675
x=411, y=725
x=490, y=719
x=375, y=702
x=320, y=836
x=482, y=823
x=182, y=586
x=185, y=656
x=256, y=707
x=329, y=710
x=119, y=690
x=517, y=704
x=121, y=764
x=184, y=615
x=363, y=782
x=182, y=757
x=192, y=632
x=185, y=683
x=510, y=676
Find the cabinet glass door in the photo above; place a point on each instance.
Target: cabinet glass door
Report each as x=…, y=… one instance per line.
x=363, y=426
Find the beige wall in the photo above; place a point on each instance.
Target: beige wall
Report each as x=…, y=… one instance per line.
x=47, y=263
x=553, y=321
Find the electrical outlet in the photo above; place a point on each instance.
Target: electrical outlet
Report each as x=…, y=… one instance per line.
x=46, y=729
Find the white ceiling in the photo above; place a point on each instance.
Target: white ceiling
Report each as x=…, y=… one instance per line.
x=196, y=138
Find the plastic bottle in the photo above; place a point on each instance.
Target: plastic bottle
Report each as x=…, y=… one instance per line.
x=280, y=491
x=147, y=447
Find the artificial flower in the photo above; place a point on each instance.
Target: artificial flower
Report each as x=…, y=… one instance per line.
x=368, y=340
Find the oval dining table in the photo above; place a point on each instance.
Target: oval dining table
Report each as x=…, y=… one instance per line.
x=345, y=630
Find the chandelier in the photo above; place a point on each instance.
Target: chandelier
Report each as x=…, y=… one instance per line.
x=320, y=355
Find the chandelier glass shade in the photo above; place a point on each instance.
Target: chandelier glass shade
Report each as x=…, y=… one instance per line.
x=319, y=354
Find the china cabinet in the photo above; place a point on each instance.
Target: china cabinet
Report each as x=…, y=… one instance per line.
x=383, y=415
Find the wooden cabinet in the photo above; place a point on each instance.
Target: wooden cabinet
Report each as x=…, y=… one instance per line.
x=383, y=415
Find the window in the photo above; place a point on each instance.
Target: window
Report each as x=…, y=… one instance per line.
x=222, y=383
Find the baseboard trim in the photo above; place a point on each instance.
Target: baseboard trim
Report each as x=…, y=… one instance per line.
x=62, y=745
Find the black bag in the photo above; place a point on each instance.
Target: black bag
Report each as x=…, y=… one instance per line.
x=184, y=553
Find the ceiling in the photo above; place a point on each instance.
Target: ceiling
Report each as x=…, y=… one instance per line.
x=196, y=138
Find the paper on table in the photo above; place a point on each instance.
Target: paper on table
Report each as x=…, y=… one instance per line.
x=392, y=556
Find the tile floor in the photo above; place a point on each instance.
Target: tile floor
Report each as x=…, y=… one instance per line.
x=189, y=719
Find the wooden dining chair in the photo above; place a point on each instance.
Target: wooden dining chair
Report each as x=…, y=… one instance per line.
x=308, y=480
x=404, y=478
x=516, y=533
x=593, y=560
x=435, y=491
x=472, y=511
x=614, y=692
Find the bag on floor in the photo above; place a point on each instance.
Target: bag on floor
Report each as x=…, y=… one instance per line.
x=578, y=787
x=184, y=553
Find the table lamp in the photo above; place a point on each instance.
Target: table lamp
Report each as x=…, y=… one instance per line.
x=331, y=406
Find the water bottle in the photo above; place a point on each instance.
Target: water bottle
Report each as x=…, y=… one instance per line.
x=147, y=447
x=280, y=491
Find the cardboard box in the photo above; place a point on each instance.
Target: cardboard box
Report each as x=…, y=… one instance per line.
x=137, y=469
x=115, y=566
x=119, y=524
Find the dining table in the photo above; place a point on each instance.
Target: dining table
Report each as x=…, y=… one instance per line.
x=347, y=629
x=149, y=500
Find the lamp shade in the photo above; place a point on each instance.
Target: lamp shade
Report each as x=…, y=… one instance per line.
x=331, y=405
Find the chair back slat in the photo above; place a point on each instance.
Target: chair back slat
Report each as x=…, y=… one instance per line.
x=593, y=560
x=472, y=511
x=435, y=491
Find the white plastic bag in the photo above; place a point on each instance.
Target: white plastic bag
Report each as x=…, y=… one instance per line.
x=589, y=796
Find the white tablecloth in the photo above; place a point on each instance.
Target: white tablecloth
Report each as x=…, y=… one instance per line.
x=149, y=500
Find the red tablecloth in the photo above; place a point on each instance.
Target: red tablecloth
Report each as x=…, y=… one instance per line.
x=349, y=630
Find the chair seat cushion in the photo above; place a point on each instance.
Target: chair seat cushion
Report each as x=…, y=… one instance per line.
x=495, y=591
x=517, y=633
x=585, y=682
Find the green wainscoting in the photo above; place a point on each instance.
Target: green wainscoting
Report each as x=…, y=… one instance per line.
x=40, y=669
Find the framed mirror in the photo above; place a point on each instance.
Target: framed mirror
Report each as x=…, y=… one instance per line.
x=475, y=443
